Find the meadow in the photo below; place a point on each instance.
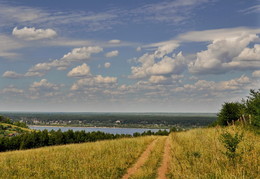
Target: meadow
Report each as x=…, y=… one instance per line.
x=197, y=153
x=104, y=159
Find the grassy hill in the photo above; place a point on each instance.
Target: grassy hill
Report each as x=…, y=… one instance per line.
x=11, y=130
x=198, y=153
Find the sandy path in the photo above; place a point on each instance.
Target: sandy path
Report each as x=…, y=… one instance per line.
x=141, y=160
x=162, y=170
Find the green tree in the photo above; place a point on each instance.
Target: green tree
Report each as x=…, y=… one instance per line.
x=252, y=107
x=229, y=112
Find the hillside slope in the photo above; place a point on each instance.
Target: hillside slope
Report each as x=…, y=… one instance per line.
x=11, y=130
x=198, y=153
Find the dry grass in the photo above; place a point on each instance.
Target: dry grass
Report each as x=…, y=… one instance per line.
x=198, y=153
x=149, y=169
x=105, y=159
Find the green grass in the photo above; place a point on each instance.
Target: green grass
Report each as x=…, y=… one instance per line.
x=105, y=159
x=200, y=154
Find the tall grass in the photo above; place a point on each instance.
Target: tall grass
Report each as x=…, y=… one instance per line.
x=105, y=159
x=199, y=153
x=149, y=169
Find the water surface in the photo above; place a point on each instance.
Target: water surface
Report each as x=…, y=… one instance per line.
x=92, y=129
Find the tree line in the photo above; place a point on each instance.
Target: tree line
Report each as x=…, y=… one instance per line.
x=247, y=111
x=43, y=138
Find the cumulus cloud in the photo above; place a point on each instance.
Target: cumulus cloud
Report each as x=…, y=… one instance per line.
x=107, y=65
x=79, y=71
x=229, y=85
x=92, y=81
x=114, y=41
x=12, y=74
x=256, y=74
x=166, y=65
x=221, y=55
x=250, y=53
x=44, y=84
x=12, y=89
x=112, y=54
x=82, y=53
x=77, y=54
x=33, y=73
x=27, y=33
x=157, y=79
x=138, y=49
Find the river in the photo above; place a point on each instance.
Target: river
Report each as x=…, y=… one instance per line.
x=91, y=129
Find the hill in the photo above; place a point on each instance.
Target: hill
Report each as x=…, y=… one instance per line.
x=198, y=153
x=11, y=129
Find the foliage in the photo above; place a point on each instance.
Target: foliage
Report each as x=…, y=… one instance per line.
x=43, y=138
x=229, y=112
x=231, y=144
x=140, y=120
x=249, y=109
x=252, y=106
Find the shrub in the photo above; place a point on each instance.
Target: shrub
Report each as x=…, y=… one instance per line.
x=231, y=144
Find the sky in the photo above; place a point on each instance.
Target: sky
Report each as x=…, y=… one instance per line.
x=127, y=56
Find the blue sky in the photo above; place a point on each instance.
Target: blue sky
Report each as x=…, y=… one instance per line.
x=127, y=56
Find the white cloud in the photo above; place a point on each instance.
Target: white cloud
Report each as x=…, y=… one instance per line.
x=82, y=53
x=7, y=44
x=240, y=83
x=32, y=73
x=33, y=34
x=12, y=74
x=171, y=12
x=79, y=71
x=221, y=55
x=138, y=49
x=112, y=54
x=256, y=74
x=12, y=89
x=211, y=35
x=252, y=9
x=167, y=65
x=25, y=15
x=43, y=85
x=77, y=54
x=157, y=79
x=250, y=53
x=93, y=81
x=114, y=41
x=107, y=65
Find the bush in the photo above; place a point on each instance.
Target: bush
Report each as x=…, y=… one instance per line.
x=231, y=144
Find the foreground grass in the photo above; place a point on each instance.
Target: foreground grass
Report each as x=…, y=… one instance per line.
x=105, y=159
x=199, y=154
x=149, y=169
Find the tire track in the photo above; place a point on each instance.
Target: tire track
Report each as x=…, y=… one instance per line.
x=141, y=160
x=162, y=170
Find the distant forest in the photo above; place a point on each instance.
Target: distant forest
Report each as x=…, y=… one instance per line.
x=116, y=119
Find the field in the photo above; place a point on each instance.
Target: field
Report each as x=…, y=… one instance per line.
x=197, y=153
